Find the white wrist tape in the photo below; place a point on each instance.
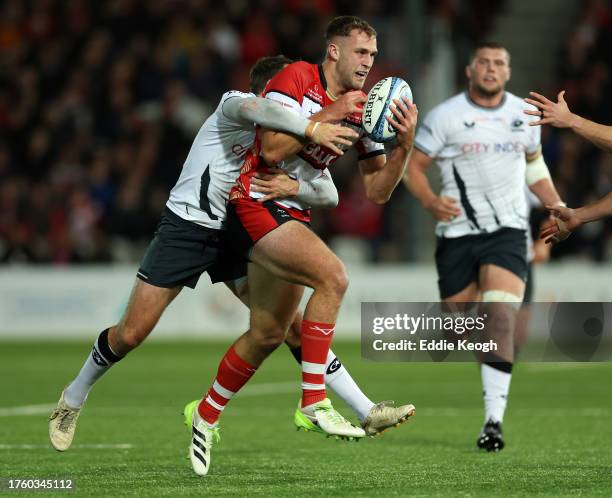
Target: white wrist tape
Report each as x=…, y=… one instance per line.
x=536, y=170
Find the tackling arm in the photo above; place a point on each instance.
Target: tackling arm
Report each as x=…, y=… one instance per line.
x=320, y=192
x=278, y=146
x=266, y=113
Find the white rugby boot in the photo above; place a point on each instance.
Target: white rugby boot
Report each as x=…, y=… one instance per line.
x=202, y=438
x=62, y=424
x=384, y=415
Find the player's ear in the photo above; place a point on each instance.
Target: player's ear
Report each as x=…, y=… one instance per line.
x=333, y=52
x=468, y=72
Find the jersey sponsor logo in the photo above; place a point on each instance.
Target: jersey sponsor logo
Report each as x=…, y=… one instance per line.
x=492, y=148
x=469, y=125
x=334, y=366
x=317, y=156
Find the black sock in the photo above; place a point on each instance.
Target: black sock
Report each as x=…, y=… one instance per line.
x=297, y=353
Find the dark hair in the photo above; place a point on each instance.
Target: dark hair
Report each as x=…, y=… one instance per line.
x=487, y=44
x=343, y=25
x=264, y=69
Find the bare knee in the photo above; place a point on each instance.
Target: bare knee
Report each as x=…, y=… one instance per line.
x=335, y=280
x=268, y=336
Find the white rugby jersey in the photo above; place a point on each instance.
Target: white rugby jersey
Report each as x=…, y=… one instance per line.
x=211, y=168
x=480, y=152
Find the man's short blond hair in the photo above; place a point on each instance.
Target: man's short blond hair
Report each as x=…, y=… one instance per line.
x=343, y=25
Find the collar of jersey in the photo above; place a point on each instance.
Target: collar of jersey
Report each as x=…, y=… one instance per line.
x=477, y=106
x=322, y=76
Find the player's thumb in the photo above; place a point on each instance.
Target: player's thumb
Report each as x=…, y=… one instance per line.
x=560, y=96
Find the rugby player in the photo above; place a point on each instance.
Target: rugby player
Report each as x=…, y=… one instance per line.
x=485, y=152
x=190, y=239
x=276, y=237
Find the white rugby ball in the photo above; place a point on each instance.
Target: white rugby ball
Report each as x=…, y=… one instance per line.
x=376, y=109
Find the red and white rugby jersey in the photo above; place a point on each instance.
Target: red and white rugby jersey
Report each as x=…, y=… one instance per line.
x=301, y=87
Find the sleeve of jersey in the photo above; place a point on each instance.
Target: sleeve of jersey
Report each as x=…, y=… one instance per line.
x=224, y=115
x=289, y=85
x=430, y=136
x=367, y=148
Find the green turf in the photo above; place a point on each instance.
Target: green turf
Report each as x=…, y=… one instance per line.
x=558, y=429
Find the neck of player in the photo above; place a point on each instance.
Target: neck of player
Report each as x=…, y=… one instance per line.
x=334, y=88
x=485, y=100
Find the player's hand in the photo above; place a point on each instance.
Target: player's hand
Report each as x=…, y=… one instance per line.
x=331, y=136
x=275, y=184
x=554, y=113
x=443, y=208
x=560, y=225
x=347, y=104
x=404, y=120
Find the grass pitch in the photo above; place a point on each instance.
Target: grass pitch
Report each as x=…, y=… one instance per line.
x=558, y=429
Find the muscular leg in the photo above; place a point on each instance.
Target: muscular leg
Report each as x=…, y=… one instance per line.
x=295, y=254
x=502, y=294
x=273, y=303
x=336, y=375
x=146, y=305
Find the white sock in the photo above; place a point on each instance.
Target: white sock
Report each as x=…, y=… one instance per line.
x=98, y=362
x=341, y=382
x=495, y=386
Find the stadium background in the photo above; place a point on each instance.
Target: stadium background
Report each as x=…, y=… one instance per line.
x=99, y=102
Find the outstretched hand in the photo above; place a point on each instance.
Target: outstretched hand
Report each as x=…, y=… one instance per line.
x=554, y=113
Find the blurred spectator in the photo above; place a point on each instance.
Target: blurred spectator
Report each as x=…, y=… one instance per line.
x=99, y=103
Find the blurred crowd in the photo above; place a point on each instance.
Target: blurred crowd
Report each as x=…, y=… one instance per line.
x=99, y=103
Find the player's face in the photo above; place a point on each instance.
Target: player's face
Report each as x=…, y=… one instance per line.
x=489, y=71
x=356, y=55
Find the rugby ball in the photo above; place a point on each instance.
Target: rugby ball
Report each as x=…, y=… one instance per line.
x=376, y=109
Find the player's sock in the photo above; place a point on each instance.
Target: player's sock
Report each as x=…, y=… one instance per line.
x=233, y=373
x=339, y=379
x=98, y=362
x=316, y=339
x=496, y=378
